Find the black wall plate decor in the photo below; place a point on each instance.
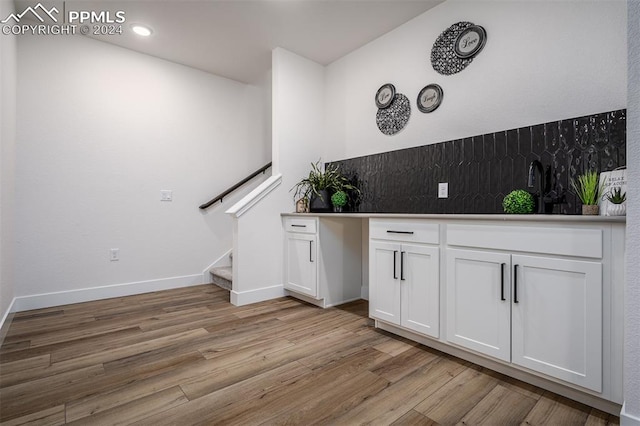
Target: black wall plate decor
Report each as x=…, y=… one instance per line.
x=444, y=58
x=392, y=119
x=430, y=98
x=384, y=95
x=470, y=42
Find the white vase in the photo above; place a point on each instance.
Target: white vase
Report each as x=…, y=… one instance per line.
x=617, y=209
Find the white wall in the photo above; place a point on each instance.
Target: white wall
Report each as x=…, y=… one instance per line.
x=631, y=409
x=298, y=134
x=7, y=162
x=101, y=130
x=543, y=61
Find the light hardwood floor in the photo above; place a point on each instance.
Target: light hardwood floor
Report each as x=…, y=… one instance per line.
x=187, y=357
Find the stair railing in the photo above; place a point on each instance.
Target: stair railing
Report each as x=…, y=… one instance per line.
x=234, y=187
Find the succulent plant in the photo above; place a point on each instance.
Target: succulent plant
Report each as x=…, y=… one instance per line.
x=616, y=196
x=518, y=202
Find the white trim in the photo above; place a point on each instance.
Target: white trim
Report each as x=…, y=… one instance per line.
x=252, y=198
x=221, y=261
x=47, y=300
x=627, y=419
x=6, y=319
x=240, y=298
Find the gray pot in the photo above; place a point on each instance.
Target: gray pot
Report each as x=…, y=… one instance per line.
x=590, y=210
x=322, y=203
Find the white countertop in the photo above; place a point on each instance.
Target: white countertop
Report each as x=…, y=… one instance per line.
x=494, y=217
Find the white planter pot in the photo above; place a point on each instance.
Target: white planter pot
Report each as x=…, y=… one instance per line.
x=617, y=209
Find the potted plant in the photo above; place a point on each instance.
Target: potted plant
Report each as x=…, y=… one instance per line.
x=588, y=188
x=319, y=185
x=617, y=199
x=339, y=200
x=518, y=202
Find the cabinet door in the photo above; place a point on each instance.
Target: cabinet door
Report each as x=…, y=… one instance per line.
x=557, y=318
x=420, y=286
x=301, y=273
x=384, y=282
x=478, y=301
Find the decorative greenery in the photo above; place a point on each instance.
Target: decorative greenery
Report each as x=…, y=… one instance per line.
x=616, y=196
x=331, y=180
x=518, y=202
x=339, y=198
x=588, y=188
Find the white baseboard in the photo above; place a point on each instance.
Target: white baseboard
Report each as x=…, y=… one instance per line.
x=6, y=319
x=240, y=298
x=47, y=300
x=627, y=419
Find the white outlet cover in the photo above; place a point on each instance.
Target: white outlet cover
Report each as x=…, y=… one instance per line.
x=443, y=190
x=166, y=195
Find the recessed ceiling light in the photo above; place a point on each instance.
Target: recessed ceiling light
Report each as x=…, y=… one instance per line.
x=141, y=30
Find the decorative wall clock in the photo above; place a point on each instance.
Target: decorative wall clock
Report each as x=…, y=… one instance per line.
x=430, y=98
x=392, y=119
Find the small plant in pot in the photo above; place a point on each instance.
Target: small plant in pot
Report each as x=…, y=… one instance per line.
x=319, y=185
x=339, y=200
x=617, y=199
x=518, y=202
x=588, y=189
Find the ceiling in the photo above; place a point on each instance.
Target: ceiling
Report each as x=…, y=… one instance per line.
x=234, y=38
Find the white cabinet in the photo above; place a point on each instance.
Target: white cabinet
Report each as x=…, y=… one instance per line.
x=404, y=276
x=301, y=274
x=543, y=313
x=323, y=259
x=479, y=301
x=557, y=318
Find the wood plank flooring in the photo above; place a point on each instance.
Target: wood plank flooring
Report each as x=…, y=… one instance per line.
x=189, y=357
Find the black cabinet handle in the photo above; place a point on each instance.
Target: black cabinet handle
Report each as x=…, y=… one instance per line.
x=298, y=226
x=395, y=274
x=502, y=282
x=515, y=283
x=310, y=249
x=399, y=232
x=402, y=266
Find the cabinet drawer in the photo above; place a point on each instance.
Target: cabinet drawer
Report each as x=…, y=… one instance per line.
x=302, y=225
x=534, y=239
x=417, y=231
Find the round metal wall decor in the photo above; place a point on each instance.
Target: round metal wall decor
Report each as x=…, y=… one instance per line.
x=443, y=53
x=430, y=98
x=384, y=95
x=392, y=119
x=470, y=42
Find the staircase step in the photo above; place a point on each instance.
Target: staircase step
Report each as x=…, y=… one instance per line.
x=222, y=277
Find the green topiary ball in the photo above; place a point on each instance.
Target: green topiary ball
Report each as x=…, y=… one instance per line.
x=339, y=198
x=518, y=202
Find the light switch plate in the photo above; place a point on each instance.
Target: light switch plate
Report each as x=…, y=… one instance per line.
x=166, y=195
x=443, y=190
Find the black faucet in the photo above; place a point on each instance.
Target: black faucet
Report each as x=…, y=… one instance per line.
x=536, y=165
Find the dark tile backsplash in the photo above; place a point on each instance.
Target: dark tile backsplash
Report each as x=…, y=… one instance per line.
x=482, y=169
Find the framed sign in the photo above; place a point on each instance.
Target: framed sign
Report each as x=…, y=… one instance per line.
x=470, y=42
x=384, y=95
x=430, y=98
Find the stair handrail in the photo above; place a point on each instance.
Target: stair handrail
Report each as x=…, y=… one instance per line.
x=234, y=187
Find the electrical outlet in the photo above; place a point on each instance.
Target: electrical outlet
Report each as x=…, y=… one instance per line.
x=114, y=254
x=166, y=195
x=443, y=190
